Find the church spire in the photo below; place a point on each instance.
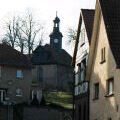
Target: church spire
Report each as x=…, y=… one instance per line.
x=56, y=35
x=56, y=22
x=56, y=13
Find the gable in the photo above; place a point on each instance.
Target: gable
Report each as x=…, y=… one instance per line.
x=98, y=26
x=85, y=16
x=88, y=16
x=106, y=69
x=83, y=44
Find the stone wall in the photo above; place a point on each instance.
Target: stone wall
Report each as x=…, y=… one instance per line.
x=9, y=81
x=53, y=77
x=65, y=78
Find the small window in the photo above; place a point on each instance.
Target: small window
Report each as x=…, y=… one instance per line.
x=18, y=92
x=96, y=90
x=110, y=83
x=40, y=74
x=82, y=67
x=2, y=95
x=76, y=78
x=76, y=90
x=103, y=55
x=19, y=74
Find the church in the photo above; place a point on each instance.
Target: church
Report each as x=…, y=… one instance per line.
x=52, y=64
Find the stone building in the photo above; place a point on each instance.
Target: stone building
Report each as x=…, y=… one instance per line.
x=15, y=76
x=79, y=62
x=103, y=70
x=52, y=64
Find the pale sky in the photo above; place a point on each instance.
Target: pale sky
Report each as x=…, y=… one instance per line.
x=68, y=11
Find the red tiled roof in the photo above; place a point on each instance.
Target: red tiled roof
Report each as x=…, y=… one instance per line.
x=12, y=57
x=111, y=15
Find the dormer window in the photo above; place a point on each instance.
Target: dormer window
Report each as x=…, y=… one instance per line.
x=19, y=74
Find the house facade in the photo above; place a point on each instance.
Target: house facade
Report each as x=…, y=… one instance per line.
x=15, y=76
x=52, y=64
x=79, y=62
x=103, y=70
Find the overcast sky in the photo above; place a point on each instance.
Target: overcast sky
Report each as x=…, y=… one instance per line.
x=68, y=11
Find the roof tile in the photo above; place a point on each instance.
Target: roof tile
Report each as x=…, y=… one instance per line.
x=111, y=15
x=12, y=57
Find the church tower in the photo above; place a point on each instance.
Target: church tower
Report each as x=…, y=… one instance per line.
x=56, y=35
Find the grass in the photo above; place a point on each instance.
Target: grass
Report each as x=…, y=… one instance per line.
x=59, y=98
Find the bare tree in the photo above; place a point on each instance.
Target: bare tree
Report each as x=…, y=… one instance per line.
x=30, y=29
x=20, y=42
x=71, y=33
x=22, y=32
x=11, y=32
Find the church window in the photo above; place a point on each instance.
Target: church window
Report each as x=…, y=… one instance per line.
x=40, y=74
x=56, y=25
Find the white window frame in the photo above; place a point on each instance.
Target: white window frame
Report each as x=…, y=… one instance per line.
x=110, y=86
x=19, y=92
x=2, y=96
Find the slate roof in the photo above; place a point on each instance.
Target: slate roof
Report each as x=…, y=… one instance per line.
x=48, y=55
x=88, y=16
x=111, y=15
x=12, y=57
x=55, y=33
